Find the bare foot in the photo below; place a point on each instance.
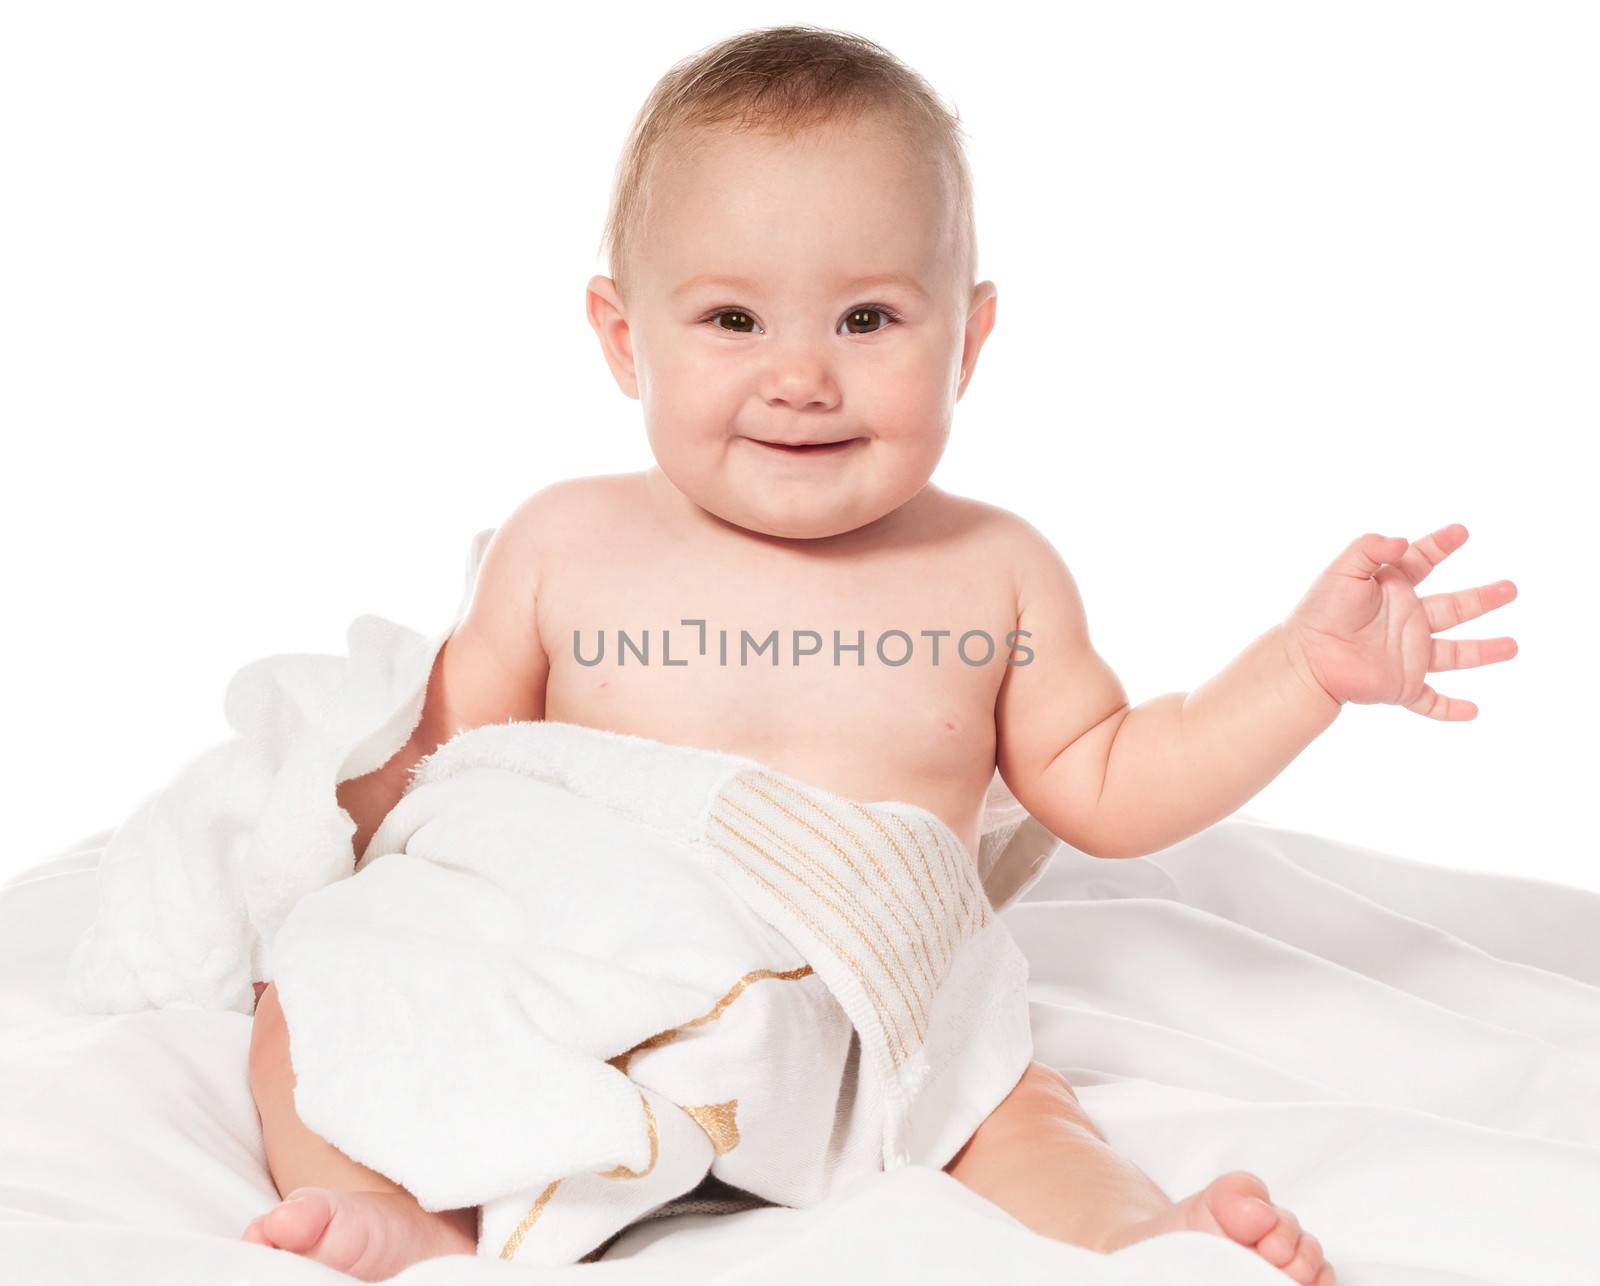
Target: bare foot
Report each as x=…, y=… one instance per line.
x=1235, y=1205
x=370, y=1235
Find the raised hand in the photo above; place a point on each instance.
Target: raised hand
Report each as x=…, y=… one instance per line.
x=1363, y=634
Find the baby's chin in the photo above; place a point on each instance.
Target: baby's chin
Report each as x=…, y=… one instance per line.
x=790, y=527
x=795, y=498
x=797, y=512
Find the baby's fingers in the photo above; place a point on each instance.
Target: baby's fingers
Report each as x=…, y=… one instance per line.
x=1463, y=654
x=1446, y=610
x=1435, y=706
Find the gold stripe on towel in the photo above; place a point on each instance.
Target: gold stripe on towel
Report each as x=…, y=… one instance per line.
x=855, y=838
x=621, y=1061
x=717, y=1120
x=841, y=867
x=509, y=1250
x=961, y=862
x=622, y=1171
x=861, y=840
x=940, y=920
x=873, y=934
x=944, y=863
x=813, y=862
x=719, y=1123
x=880, y=1006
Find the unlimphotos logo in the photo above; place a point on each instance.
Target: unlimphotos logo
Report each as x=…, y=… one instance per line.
x=892, y=648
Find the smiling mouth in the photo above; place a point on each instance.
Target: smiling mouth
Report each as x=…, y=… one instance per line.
x=814, y=448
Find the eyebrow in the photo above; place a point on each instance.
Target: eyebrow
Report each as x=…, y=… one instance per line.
x=876, y=279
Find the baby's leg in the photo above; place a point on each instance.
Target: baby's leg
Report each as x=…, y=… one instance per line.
x=348, y=1217
x=1039, y=1157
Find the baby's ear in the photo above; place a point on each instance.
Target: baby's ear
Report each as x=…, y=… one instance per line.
x=607, y=314
x=980, y=321
x=604, y=302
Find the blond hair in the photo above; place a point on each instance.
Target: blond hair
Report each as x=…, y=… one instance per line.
x=782, y=80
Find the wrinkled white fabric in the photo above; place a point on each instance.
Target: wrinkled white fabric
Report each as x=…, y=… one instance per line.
x=577, y=971
x=1408, y=1055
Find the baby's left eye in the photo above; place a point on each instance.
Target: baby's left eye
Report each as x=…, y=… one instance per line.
x=866, y=311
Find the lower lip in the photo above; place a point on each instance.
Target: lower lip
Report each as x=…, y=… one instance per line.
x=831, y=448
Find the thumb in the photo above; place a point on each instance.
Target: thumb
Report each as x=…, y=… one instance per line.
x=1363, y=556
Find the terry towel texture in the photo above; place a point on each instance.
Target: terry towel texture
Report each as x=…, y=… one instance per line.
x=575, y=971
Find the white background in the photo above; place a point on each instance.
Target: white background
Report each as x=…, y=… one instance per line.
x=291, y=305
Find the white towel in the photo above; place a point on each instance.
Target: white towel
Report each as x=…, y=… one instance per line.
x=196, y=882
x=577, y=971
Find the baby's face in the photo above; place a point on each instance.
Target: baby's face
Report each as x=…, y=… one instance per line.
x=797, y=291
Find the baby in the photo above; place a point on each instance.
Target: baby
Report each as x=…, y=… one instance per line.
x=793, y=305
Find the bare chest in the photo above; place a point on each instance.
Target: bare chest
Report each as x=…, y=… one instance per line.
x=875, y=679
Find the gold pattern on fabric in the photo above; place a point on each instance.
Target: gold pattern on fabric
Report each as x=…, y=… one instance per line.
x=621, y=1061
x=961, y=861
x=716, y=1120
x=719, y=1123
x=819, y=866
x=941, y=920
x=931, y=971
x=861, y=875
x=880, y=1006
x=859, y=841
x=961, y=889
x=509, y=1250
x=900, y=976
x=870, y=909
x=836, y=884
x=622, y=1171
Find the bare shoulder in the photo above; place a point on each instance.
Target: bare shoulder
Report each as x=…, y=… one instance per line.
x=1017, y=551
x=495, y=664
x=549, y=529
x=1058, y=711
x=971, y=517
x=556, y=527
x=561, y=515
x=1046, y=588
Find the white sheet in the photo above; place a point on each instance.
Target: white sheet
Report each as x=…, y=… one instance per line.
x=1409, y=1056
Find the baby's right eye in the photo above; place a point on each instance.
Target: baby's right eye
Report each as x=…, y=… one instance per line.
x=731, y=312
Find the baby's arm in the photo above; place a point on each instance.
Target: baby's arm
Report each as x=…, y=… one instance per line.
x=1113, y=781
x=491, y=669
x=1120, y=781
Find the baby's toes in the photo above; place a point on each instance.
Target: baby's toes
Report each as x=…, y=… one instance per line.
x=1279, y=1245
x=298, y=1222
x=1307, y=1261
x=253, y=1233
x=1239, y=1207
x=1325, y=1277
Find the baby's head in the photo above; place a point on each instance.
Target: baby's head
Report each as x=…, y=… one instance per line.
x=792, y=247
